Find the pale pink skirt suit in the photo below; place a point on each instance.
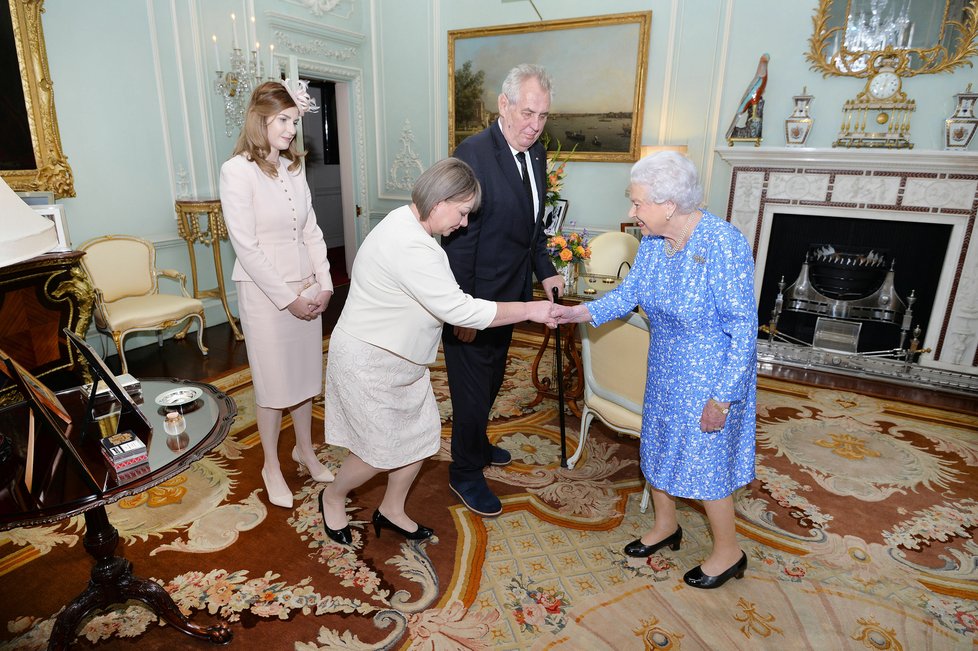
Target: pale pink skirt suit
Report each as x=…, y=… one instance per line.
x=280, y=249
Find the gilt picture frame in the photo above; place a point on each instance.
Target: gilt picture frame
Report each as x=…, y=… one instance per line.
x=594, y=116
x=33, y=159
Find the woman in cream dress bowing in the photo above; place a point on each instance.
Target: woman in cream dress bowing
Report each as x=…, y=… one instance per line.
x=379, y=401
x=281, y=273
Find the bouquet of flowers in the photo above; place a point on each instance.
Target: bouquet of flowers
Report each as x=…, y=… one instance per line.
x=555, y=174
x=568, y=249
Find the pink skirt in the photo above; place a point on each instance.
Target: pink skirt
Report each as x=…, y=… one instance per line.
x=285, y=353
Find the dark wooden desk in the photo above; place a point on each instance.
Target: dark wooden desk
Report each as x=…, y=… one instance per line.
x=65, y=494
x=587, y=288
x=39, y=297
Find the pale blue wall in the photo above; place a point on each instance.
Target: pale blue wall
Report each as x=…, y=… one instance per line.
x=139, y=119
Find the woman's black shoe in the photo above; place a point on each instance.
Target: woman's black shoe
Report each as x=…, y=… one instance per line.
x=342, y=536
x=636, y=549
x=381, y=522
x=697, y=579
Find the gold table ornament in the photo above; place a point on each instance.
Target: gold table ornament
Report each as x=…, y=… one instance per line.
x=188, y=227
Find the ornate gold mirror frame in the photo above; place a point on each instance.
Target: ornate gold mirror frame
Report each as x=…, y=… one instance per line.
x=50, y=171
x=828, y=54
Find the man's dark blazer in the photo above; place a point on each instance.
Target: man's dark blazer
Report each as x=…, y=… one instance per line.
x=493, y=257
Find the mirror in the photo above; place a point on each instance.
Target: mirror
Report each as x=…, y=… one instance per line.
x=32, y=159
x=922, y=36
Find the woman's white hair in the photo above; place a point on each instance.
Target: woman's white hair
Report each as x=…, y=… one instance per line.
x=669, y=176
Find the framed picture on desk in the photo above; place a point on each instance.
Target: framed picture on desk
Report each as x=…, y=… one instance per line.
x=553, y=218
x=45, y=411
x=130, y=416
x=632, y=229
x=56, y=214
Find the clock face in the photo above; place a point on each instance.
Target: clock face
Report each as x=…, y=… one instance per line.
x=884, y=85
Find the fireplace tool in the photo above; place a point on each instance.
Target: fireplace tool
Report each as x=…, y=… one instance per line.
x=559, y=365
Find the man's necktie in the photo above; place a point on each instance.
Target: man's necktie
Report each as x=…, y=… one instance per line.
x=521, y=157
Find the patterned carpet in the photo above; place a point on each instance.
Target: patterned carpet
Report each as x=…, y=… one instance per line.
x=858, y=532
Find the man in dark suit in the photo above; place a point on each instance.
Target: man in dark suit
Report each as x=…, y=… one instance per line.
x=495, y=258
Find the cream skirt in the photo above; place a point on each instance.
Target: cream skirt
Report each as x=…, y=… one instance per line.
x=379, y=406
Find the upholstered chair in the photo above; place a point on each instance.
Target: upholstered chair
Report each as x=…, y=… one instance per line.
x=612, y=254
x=615, y=360
x=123, y=271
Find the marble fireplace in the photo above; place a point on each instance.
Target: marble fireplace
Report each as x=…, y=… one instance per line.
x=921, y=206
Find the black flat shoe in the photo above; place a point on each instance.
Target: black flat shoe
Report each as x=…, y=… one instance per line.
x=342, y=536
x=636, y=549
x=697, y=579
x=381, y=522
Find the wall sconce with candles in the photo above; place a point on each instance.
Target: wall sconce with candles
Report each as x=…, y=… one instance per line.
x=244, y=74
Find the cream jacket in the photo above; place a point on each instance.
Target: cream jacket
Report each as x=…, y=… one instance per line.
x=403, y=290
x=272, y=228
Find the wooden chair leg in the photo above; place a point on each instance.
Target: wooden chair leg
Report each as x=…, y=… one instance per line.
x=586, y=417
x=185, y=329
x=117, y=338
x=200, y=334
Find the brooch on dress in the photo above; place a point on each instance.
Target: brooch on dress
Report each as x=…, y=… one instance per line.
x=698, y=259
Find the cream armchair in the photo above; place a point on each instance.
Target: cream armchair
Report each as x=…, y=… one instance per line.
x=612, y=254
x=615, y=359
x=127, y=295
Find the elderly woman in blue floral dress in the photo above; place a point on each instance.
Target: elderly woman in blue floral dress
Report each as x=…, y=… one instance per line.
x=693, y=276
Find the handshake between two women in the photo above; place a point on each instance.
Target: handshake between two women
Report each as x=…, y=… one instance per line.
x=553, y=314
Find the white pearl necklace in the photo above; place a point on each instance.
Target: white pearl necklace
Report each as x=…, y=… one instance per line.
x=670, y=250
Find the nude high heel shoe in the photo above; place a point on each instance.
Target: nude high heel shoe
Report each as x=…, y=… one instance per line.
x=322, y=475
x=277, y=497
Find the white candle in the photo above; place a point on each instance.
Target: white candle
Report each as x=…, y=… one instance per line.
x=254, y=32
x=217, y=51
x=234, y=32
x=271, y=61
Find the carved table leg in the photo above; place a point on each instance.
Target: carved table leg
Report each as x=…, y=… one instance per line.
x=573, y=371
x=113, y=582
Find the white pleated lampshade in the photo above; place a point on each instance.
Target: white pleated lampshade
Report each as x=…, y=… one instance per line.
x=23, y=233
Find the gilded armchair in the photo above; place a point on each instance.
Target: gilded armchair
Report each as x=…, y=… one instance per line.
x=123, y=271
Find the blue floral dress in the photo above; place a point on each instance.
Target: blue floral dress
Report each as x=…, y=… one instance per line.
x=703, y=322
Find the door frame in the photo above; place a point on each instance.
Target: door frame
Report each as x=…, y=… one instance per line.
x=348, y=83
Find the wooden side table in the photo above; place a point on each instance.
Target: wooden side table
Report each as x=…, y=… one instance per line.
x=208, y=421
x=587, y=288
x=188, y=226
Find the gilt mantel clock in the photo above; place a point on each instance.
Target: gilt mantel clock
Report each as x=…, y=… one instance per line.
x=879, y=116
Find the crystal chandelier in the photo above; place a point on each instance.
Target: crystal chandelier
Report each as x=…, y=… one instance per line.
x=244, y=74
x=877, y=31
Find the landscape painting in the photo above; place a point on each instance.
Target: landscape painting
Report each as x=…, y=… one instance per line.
x=598, y=67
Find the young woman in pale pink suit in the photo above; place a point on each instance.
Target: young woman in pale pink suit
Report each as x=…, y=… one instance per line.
x=281, y=274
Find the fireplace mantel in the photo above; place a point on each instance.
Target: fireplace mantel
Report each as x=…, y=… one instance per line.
x=894, y=160
x=896, y=185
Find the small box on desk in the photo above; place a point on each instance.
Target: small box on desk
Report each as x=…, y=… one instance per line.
x=123, y=450
x=129, y=474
